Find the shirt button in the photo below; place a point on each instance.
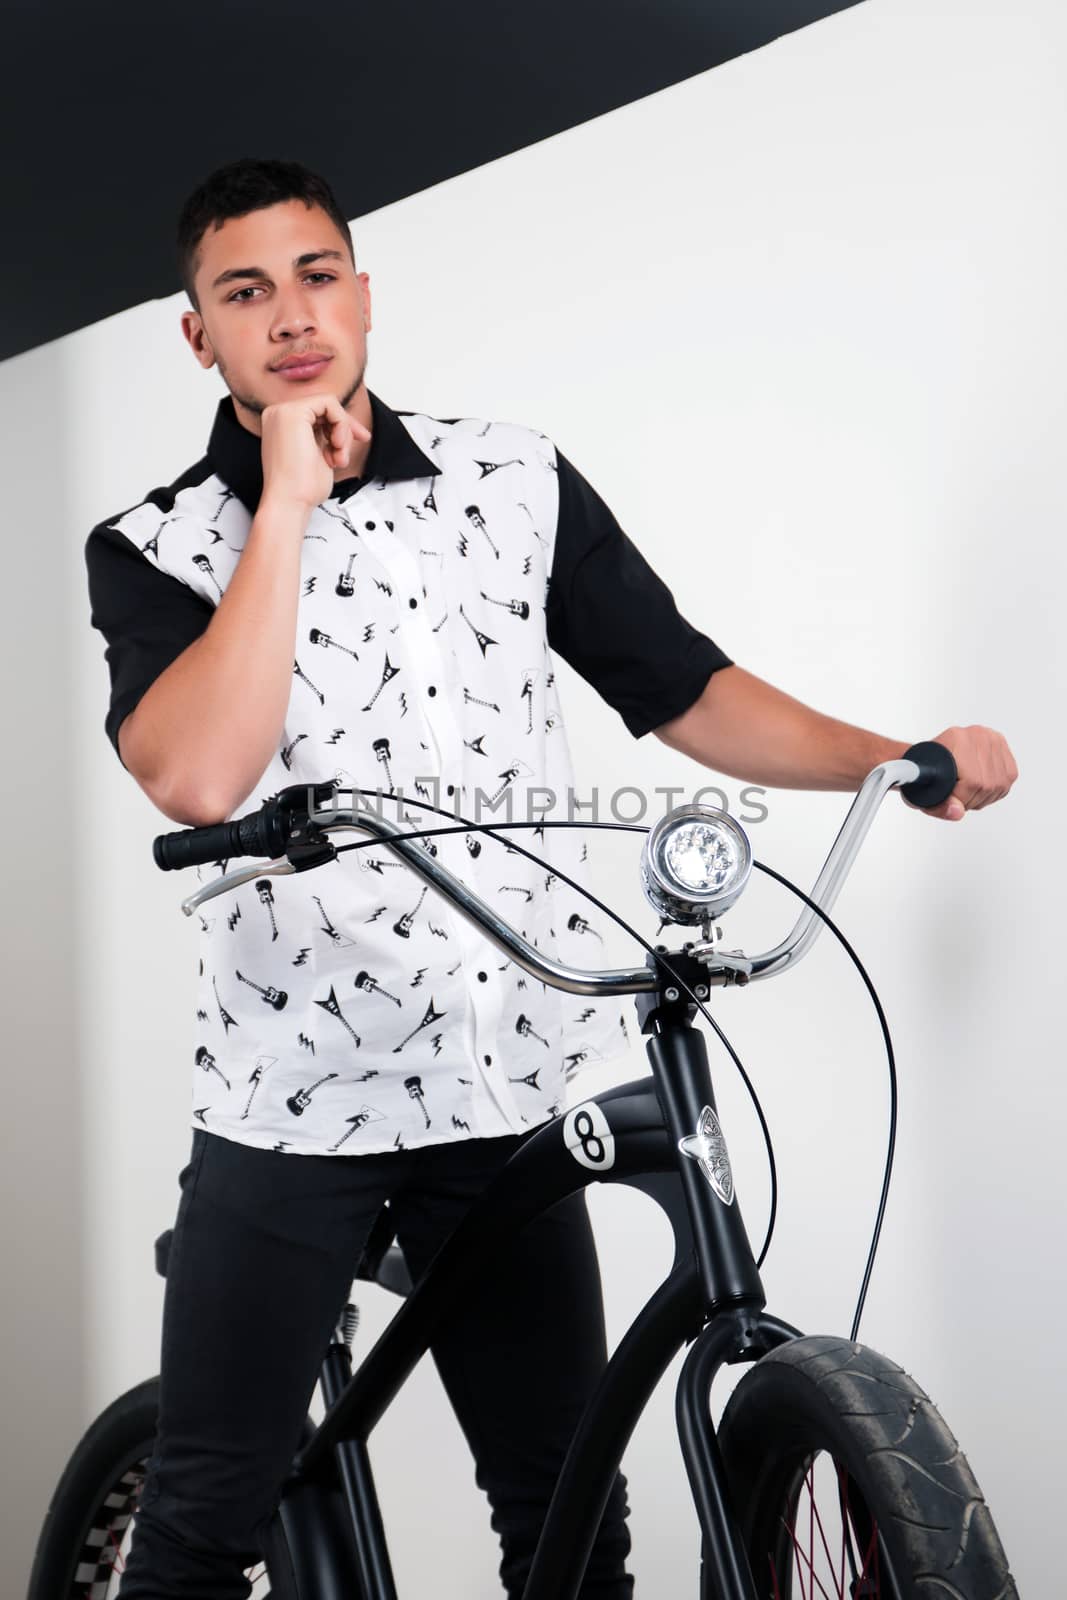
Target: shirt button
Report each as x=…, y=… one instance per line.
x=483, y=977
x=431, y=690
x=451, y=789
x=413, y=603
x=488, y=1060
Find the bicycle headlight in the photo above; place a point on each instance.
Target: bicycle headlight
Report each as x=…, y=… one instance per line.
x=695, y=863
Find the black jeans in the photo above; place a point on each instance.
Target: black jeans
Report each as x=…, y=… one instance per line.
x=264, y=1251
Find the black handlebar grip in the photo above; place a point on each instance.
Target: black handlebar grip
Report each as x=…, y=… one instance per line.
x=937, y=778
x=221, y=841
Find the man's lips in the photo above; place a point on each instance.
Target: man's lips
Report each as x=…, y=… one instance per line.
x=302, y=366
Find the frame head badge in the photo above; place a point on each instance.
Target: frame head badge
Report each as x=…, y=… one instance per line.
x=708, y=1147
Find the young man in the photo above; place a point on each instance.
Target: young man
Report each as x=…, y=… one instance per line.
x=340, y=590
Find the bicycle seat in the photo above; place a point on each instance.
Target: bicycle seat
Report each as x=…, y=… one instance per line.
x=163, y=1251
x=382, y=1261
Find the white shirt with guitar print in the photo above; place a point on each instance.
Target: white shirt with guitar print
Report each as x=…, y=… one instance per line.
x=347, y=1010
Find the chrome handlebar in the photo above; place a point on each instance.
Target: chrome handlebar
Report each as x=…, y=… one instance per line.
x=723, y=967
x=828, y=885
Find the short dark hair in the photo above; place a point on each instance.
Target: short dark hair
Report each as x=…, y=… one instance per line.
x=243, y=186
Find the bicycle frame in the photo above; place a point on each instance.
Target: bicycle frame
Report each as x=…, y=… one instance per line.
x=661, y=1136
x=712, y=1295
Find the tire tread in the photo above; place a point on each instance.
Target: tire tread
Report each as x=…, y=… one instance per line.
x=909, y=1457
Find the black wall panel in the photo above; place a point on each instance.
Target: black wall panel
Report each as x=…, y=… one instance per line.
x=112, y=113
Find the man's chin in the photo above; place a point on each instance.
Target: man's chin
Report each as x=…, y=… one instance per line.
x=282, y=389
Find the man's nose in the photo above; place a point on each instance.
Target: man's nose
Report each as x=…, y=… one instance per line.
x=295, y=317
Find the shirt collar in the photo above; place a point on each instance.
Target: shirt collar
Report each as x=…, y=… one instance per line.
x=235, y=454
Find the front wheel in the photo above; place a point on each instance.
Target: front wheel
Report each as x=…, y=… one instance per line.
x=848, y=1485
x=86, y=1535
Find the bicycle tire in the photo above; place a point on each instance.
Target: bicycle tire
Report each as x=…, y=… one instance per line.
x=888, y=1467
x=86, y=1528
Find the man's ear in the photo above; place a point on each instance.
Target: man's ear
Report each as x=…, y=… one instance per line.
x=364, y=279
x=199, y=343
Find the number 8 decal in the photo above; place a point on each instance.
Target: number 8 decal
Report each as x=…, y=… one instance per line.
x=589, y=1138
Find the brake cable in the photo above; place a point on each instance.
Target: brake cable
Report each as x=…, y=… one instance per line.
x=464, y=826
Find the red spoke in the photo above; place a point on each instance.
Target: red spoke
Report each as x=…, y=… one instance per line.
x=803, y=1568
x=809, y=1479
x=822, y=1536
x=872, y=1551
x=118, y=1565
x=842, y=1490
x=814, y=1574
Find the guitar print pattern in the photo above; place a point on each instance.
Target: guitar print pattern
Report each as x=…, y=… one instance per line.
x=422, y=663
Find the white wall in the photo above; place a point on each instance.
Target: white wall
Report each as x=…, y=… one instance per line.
x=801, y=321
x=42, y=1150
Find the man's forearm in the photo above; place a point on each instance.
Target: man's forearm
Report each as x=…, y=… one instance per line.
x=745, y=728
x=206, y=729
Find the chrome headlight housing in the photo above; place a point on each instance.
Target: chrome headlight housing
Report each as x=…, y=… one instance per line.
x=695, y=863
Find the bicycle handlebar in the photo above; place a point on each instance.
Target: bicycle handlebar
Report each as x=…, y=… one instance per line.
x=244, y=836
x=937, y=774
x=926, y=775
x=265, y=832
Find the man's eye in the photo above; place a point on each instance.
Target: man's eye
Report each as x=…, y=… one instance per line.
x=249, y=289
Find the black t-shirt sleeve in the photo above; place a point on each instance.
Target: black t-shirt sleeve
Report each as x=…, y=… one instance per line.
x=615, y=621
x=146, y=616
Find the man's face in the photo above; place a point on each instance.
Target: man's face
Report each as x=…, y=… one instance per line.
x=275, y=285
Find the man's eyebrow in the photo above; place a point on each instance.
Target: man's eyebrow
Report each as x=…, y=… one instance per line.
x=318, y=255
x=234, y=273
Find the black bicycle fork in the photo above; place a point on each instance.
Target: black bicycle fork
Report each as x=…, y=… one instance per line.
x=661, y=1137
x=731, y=1292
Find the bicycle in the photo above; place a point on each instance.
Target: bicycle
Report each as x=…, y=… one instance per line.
x=831, y=1472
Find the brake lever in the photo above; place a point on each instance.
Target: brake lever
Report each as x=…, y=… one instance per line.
x=232, y=880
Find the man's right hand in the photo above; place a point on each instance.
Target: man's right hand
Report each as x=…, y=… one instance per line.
x=205, y=730
x=304, y=442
